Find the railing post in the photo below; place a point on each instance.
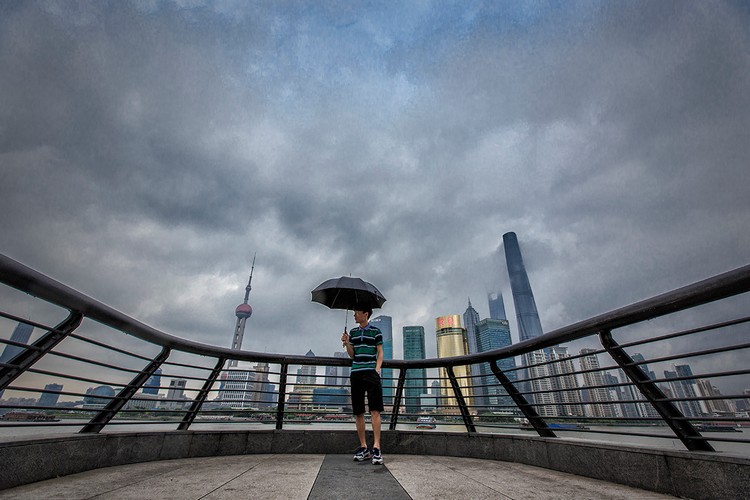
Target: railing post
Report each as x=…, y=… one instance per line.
x=282, y=397
x=187, y=420
x=25, y=359
x=539, y=425
x=102, y=418
x=468, y=422
x=669, y=412
x=397, y=401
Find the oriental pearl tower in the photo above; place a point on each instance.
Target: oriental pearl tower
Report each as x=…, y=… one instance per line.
x=242, y=312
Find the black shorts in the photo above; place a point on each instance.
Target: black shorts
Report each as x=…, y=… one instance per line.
x=367, y=381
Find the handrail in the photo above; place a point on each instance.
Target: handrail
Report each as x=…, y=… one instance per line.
x=28, y=280
x=538, y=389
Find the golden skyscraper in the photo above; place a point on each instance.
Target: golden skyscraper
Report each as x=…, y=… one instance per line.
x=452, y=341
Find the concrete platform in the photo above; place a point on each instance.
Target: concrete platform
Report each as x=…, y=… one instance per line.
x=332, y=476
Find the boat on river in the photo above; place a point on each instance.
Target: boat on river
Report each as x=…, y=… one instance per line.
x=426, y=423
x=28, y=416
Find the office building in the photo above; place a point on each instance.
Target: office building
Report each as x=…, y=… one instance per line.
x=471, y=318
x=385, y=324
x=21, y=334
x=597, y=396
x=416, y=378
x=176, y=394
x=50, y=395
x=683, y=388
x=452, y=341
x=563, y=381
x=153, y=383
x=494, y=334
x=497, y=306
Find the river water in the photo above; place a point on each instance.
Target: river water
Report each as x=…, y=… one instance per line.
x=37, y=430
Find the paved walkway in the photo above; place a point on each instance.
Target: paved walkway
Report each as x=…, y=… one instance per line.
x=325, y=476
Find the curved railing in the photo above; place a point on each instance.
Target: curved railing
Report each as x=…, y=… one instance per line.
x=609, y=390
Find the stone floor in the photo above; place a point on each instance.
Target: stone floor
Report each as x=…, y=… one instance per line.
x=325, y=476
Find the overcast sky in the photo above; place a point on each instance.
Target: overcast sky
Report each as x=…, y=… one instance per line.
x=149, y=149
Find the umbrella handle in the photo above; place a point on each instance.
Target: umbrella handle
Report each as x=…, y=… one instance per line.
x=346, y=323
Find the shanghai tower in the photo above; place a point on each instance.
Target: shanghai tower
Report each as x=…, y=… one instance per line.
x=529, y=325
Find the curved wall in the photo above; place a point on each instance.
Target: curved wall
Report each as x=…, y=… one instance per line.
x=683, y=474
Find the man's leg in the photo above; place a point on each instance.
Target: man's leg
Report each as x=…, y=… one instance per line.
x=360, y=420
x=375, y=427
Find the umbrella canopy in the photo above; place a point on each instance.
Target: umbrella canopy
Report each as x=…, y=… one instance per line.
x=348, y=293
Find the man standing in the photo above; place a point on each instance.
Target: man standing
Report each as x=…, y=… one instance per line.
x=364, y=344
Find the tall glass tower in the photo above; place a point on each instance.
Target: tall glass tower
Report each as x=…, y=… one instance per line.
x=385, y=323
x=21, y=334
x=471, y=319
x=416, y=379
x=529, y=325
x=497, y=306
x=153, y=383
x=494, y=334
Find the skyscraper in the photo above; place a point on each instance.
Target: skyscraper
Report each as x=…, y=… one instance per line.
x=471, y=318
x=153, y=383
x=529, y=325
x=684, y=389
x=497, y=306
x=451, y=341
x=242, y=312
x=176, y=392
x=494, y=334
x=564, y=382
x=50, y=395
x=385, y=323
x=593, y=380
x=21, y=334
x=416, y=378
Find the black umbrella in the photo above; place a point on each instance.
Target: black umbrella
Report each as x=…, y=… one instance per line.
x=348, y=293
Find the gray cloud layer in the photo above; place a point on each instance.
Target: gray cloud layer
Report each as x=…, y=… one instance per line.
x=149, y=149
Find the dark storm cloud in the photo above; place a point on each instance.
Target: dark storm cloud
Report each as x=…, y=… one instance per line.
x=149, y=149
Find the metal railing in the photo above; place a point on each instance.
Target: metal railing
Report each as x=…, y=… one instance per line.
x=609, y=390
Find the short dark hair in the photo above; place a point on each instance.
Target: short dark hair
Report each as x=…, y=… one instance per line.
x=367, y=310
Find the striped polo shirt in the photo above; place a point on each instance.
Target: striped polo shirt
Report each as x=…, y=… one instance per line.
x=365, y=343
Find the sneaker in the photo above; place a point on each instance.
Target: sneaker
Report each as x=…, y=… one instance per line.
x=377, y=458
x=362, y=454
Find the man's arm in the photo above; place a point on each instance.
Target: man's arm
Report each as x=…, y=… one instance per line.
x=379, y=362
x=347, y=345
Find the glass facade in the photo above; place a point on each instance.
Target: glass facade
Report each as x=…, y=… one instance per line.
x=416, y=379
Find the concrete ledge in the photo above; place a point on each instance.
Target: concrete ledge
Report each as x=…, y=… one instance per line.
x=680, y=473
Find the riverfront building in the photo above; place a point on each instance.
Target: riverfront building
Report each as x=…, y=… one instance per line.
x=21, y=334
x=494, y=334
x=452, y=341
x=529, y=326
x=471, y=318
x=497, y=306
x=50, y=395
x=563, y=380
x=153, y=383
x=416, y=378
x=598, y=396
